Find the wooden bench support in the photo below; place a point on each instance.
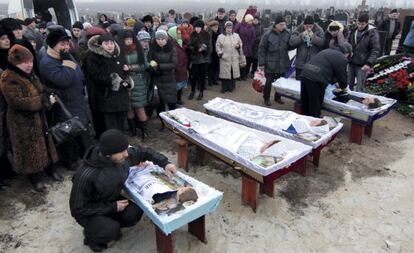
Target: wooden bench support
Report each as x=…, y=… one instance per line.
x=200, y=155
x=368, y=130
x=357, y=133
x=198, y=229
x=316, y=153
x=182, y=153
x=164, y=242
x=267, y=187
x=249, y=188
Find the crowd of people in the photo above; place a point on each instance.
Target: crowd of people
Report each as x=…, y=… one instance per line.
x=112, y=75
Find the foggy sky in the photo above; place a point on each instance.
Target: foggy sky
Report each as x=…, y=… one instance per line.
x=295, y=4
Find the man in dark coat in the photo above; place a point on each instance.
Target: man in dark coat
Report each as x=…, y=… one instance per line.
x=393, y=27
x=222, y=19
x=324, y=68
x=366, y=49
x=273, y=56
x=108, y=85
x=308, y=39
x=62, y=74
x=95, y=200
x=214, y=66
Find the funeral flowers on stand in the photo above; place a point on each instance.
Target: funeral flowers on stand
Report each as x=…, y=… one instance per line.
x=393, y=77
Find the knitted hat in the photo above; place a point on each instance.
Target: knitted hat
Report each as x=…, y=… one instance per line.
x=42, y=25
x=198, y=23
x=78, y=25
x=56, y=36
x=112, y=141
x=3, y=32
x=131, y=22
x=171, y=24
x=228, y=23
x=161, y=34
x=143, y=35
x=19, y=54
x=279, y=19
x=248, y=18
x=309, y=20
x=105, y=37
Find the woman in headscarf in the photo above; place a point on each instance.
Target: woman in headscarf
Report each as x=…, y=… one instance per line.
x=229, y=48
x=181, y=68
x=32, y=149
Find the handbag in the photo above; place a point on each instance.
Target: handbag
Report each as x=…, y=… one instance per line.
x=242, y=60
x=259, y=81
x=67, y=130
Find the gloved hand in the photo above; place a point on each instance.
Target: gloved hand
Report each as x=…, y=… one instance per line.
x=65, y=55
x=116, y=81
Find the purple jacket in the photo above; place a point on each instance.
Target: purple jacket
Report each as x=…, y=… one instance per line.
x=247, y=34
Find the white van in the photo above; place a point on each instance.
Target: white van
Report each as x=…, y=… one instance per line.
x=63, y=11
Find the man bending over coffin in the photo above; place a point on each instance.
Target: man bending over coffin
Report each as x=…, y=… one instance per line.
x=95, y=201
x=328, y=66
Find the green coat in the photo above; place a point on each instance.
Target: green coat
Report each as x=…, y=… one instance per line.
x=139, y=75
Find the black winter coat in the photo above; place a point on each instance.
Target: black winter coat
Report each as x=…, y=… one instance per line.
x=385, y=26
x=273, y=52
x=99, y=65
x=98, y=183
x=164, y=75
x=196, y=42
x=327, y=67
x=367, y=49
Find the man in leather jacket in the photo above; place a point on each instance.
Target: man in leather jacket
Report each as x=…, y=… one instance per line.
x=95, y=201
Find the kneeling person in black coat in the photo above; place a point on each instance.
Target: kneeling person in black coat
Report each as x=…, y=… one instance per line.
x=95, y=201
x=327, y=67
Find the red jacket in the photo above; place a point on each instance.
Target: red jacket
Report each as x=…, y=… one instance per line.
x=181, y=68
x=185, y=34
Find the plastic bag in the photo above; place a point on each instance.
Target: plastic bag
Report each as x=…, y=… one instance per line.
x=259, y=81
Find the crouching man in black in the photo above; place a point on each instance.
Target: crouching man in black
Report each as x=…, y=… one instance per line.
x=95, y=201
x=326, y=67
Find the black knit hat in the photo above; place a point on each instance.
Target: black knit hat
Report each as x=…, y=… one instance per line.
x=78, y=25
x=198, y=23
x=309, y=20
x=56, y=36
x=112, y=141
x=128, y=34
x=28, y=21
x=279, y=19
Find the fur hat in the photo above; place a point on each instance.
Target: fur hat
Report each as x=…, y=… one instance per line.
x=105, y=37
x=147, y=18
x=279, y=19
x=143, y=35
x=248, y=18
x=56, y=36
x=212, y=23
x=112, y=141
x=309, y=20
x=19, y=54
x=198, y=23
x=161, y=34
